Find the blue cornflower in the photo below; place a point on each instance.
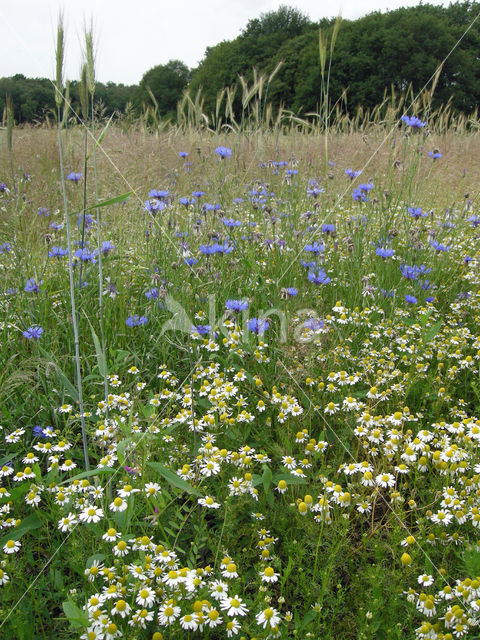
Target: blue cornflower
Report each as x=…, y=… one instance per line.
x=328, y=228
x=352, y=174
x=208, y=249
x=230, y=222
x=413, y=122
x=152, y=294
x=33, y=333
x=154, y=206
x=412, y=272
x=6, y=247
x=318, y=277
x=435, y=155
x=56, y=226
x=183, y=154
x=107, y=246
x=410, y=299
x=57, y=252
x=159, y=194
x=313, y=324
x=43, y=211
x=223, y=152
x=314, y=248
x=314, y=192
x=387, y=293
x=236, y=305
x=291, y=172
x=237, y=200
x=202, y=329
x=74, y=177
x=4, y=188
x=136, y=321
x=439, y=246
x=416, y=212
x=225, y=248
x=38, y=432
x=87, y=220
x=32, y=286
x=198, y=194
x=291, y=291
x=186, y=201
x=190, y=261
x=210, y=207
x=384, y=252
x=359, y=194
x=258, y=325
x=475, y=220
x=430, y=299
x=85, y=255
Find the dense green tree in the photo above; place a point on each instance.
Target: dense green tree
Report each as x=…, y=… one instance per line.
x=256, y=46
x=167, y=83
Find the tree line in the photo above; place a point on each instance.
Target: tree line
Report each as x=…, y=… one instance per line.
x=378, y=53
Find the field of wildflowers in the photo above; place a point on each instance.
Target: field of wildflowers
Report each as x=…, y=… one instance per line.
x=242, y=398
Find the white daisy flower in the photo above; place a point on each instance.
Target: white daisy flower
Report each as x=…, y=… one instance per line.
x=233, y=606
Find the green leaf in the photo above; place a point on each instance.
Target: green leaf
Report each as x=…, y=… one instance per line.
x=88, y=474
x=109, y=201
x=432, y=332
x=68, y=387
x=308, y=617
x=98, y=142
x=266, y=478
x=75, y=615
x=123, y=444
x=6, y=459
x=173, y=479
x=28, y=524
x=97, y=556
x=102, y=365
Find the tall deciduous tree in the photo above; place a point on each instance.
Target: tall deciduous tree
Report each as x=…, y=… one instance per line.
x=167, y=83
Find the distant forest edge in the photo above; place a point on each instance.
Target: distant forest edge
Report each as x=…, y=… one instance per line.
x=394, y=52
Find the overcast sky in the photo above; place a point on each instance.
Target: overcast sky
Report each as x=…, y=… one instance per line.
x=133, y=36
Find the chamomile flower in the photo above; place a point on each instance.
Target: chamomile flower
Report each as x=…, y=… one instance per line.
x=208, y=502
x=268, y=575
x=152, y=489
x=269, y=617
x=385, y=480
x=12, y=546
x=68, y=523
x=121, y=608
x=118, y=505
x=218, y=589
x=168, y=613
x=121, y=549
x=188, y=622
x=232, y=627
x=233, y=606
x=230, y=571
x=111, y=535
x=91, y=513
x=442, y=517
x=145, y=597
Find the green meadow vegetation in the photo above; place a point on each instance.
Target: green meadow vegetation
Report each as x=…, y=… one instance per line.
x=239, y=393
